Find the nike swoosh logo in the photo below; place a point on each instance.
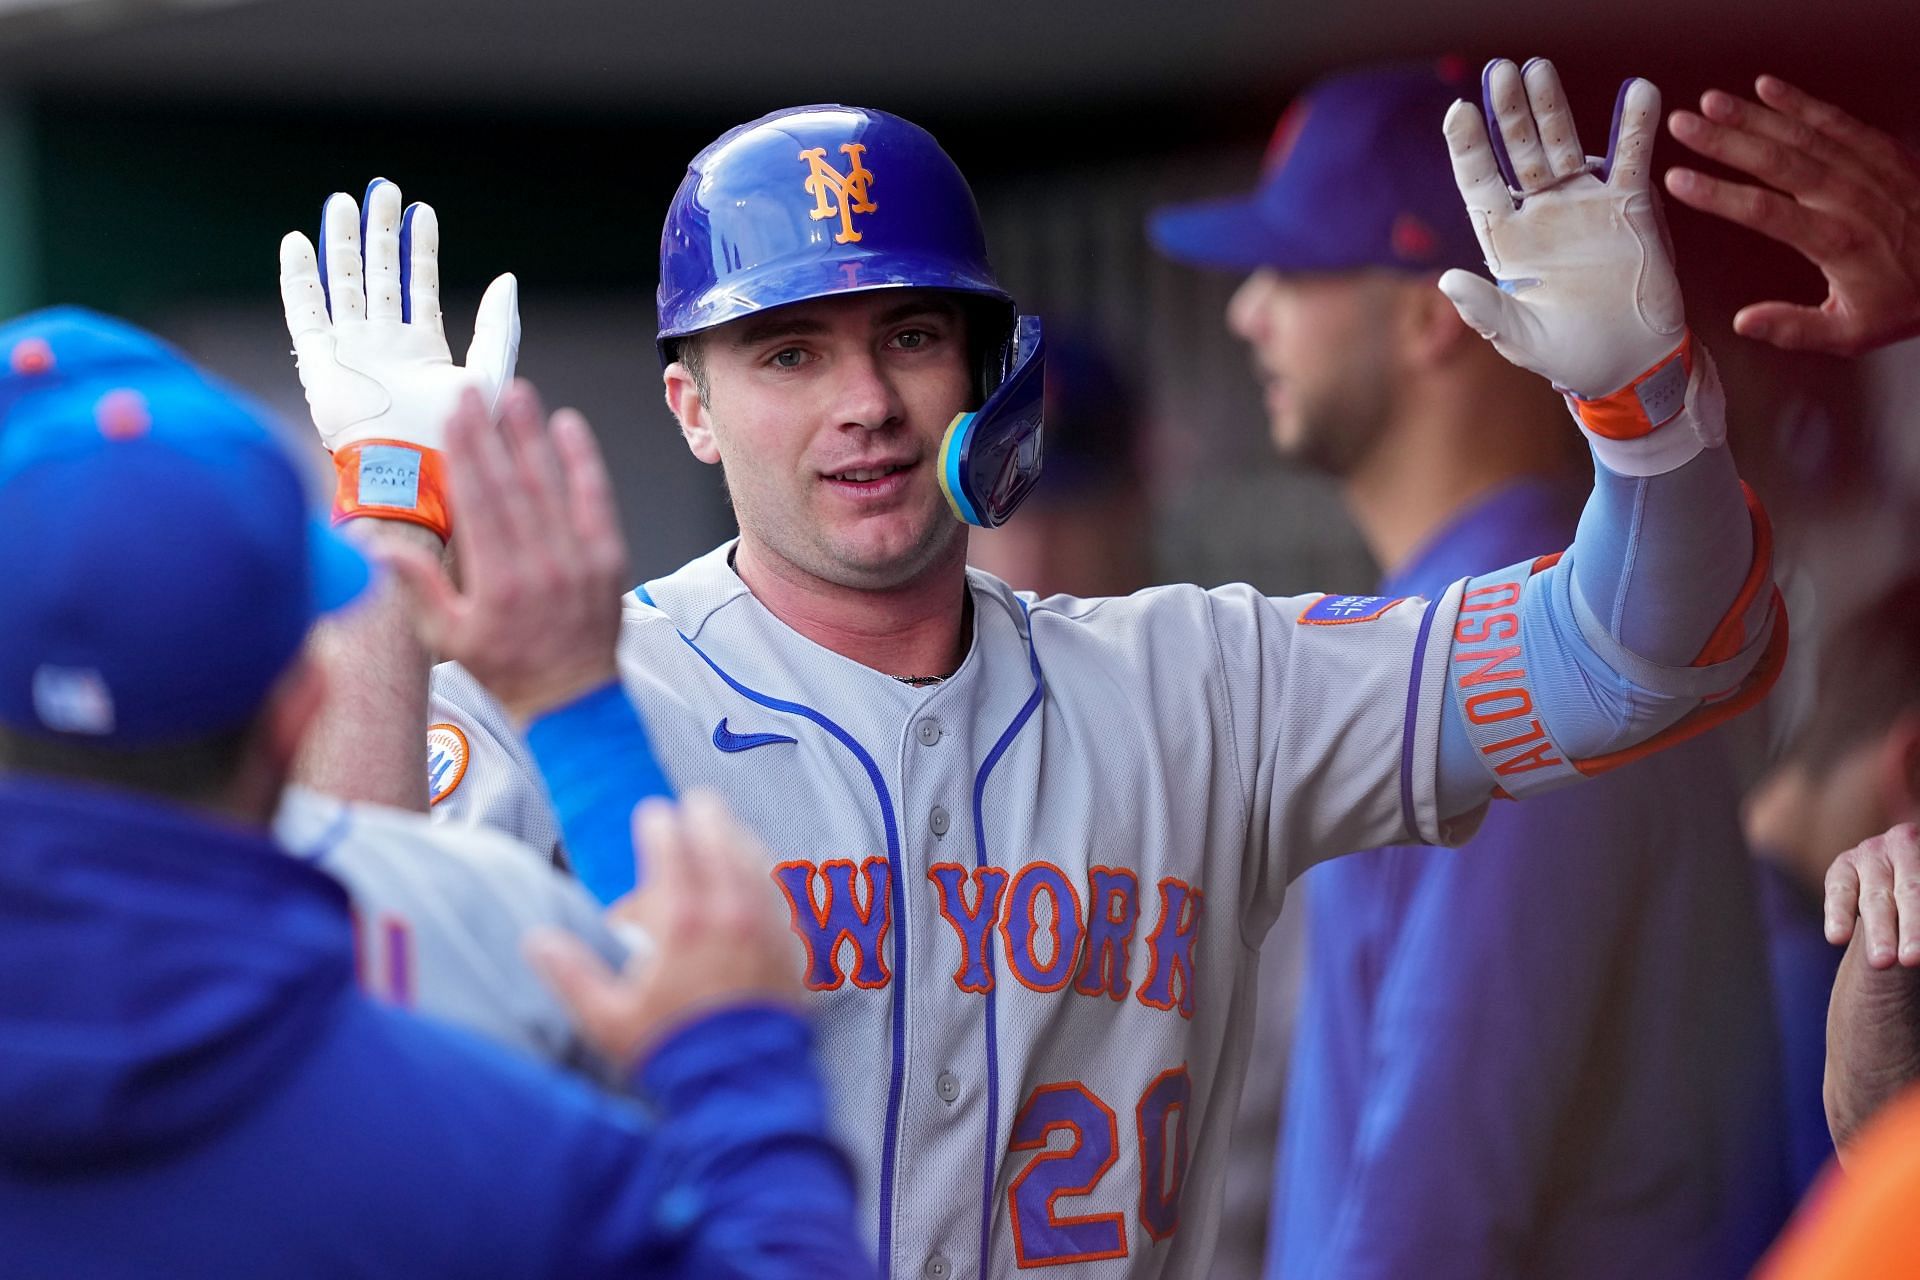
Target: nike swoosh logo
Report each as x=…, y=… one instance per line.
x=728, y=741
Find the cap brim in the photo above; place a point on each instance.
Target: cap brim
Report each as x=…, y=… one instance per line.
x=340, y=574
x=1229, y=234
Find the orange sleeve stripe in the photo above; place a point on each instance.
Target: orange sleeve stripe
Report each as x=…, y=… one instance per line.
x=1730, y=636
x=1755, y=687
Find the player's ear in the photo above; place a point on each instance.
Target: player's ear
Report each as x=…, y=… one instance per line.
x=689, y=408
x=1429, y=327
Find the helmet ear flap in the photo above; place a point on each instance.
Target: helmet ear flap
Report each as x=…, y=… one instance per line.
x=990, y=459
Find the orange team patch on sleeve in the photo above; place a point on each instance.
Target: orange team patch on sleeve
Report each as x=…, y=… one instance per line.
x=447, y=756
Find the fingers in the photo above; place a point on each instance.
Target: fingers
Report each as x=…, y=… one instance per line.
x=1793, y=327
x=1816, y=234
x=1878, y=911
x=590, y=502
x=300, y=292
x=1553, y=119
x=1841, y=899
x=340, y=274
x=1636, y=119
x=420, y=265
x=584, y=983
x=668, y=875
x=486, y=504
x=1487, y=310
x=1728, y=134
x=496, y=336
x=380, y=248
x=1522, y=159
x=536, y=465
x=1878, y=151
x=1903, y=846
x=1476, y=172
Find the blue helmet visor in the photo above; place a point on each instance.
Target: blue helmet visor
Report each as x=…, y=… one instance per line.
x=990, y=458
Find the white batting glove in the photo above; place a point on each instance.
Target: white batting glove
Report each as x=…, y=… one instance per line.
x=1587, y=295
x=373, y=357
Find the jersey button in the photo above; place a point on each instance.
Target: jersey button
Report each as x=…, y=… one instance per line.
x=937, y=1268
x=938, y=820
x=948, y=1087
x=928, y=731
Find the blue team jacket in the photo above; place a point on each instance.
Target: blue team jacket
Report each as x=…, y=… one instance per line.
x=190, y=1085
x=1550, y=1052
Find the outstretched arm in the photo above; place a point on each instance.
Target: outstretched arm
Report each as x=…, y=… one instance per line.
x=364, y=316
x=1661, y=619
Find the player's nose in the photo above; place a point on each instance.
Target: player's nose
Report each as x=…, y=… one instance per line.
x=865, y=396
x=1248, y=315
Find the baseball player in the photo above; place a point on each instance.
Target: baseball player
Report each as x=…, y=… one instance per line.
x=1031, y=846
x=192, y=1083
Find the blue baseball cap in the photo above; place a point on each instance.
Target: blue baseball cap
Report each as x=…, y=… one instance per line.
x=163, y=564
x=1357, y=175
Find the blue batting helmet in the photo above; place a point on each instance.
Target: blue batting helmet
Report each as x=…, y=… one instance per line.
x=821, y=200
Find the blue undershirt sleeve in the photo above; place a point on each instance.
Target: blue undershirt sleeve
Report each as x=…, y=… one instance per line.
x=1554, y=669
x=596, y=760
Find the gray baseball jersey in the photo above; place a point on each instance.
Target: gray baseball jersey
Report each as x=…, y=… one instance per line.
x=439, y=913
x=1031, y=896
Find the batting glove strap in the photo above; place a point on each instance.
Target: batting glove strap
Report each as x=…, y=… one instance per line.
x=392, y=480
x=1661, y=420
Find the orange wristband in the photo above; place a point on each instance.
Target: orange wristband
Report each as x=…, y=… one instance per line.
x=392, y=480
x=1645, y=403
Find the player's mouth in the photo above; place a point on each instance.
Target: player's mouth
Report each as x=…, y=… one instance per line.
x=870, y=481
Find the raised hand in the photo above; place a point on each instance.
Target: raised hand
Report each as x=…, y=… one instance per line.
x=1587, y=295
x=542, y=559
x=364, y=315
x=1843, y=194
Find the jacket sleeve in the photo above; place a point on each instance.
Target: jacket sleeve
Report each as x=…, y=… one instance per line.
x=735, y=1176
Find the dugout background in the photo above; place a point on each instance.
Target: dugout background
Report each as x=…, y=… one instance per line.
x=152, y=153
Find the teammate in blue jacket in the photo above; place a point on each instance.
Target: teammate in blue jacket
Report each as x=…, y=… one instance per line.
x=192, y=1084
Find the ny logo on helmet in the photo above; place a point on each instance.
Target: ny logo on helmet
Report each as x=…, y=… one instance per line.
x=836, y=194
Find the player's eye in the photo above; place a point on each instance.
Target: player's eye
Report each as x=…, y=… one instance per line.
x=914, y=339
x=787, y=358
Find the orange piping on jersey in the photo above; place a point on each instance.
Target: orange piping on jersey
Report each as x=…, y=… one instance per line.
x=878, y=899
x=1728, y=638
x=1061, y=917
x=1100, y=907
x=1755, y=687
x=1146, y=1169
x=984, y=902
x=1169, y=926
x=1022, y=1258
